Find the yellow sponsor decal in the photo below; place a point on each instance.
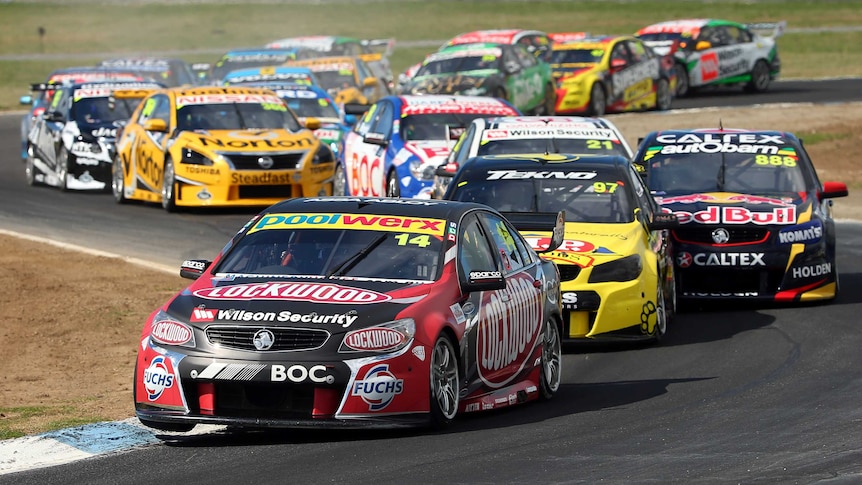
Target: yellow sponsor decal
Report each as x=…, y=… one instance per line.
x=390, y=223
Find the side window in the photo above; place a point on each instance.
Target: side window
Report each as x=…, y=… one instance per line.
x=619, y=56
x=524, y=57
x=156, y=107
x=363, y=69
x=638, y=52
x=474, y=253
x=462, y=149
x=364, y=123
x=382, y=123
x=645, y=199
x=503, y=237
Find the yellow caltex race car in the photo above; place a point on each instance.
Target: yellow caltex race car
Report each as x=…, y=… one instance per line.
x=218, y=146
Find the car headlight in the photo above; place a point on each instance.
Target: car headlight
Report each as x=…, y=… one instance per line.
x=167, y=330
x=421, y=170
x=384, y=338
x=192, y=157
x=322, y=155
x=623, y=269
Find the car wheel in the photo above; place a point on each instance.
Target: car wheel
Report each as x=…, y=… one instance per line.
x=30, y=170
x=63, y=168
x=118, y=181
x=682, y=87
x=339, y=181
x=552, y=357
x=393, y=189
x=549, y=104
x=671, y=305
x=169, y=195
x=500, y=93
x=759, y=78
x=663, y=98
x=659, y=310
x=444, y=383
x=598, y=103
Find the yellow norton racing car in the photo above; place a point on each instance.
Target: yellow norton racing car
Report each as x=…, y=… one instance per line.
x=615, y=265
x=218, y=146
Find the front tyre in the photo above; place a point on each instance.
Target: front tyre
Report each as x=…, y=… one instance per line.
x=552, y=357
x=682, y=85
x=30, y=171
x=339, y=181
x=598, y=102
x=393, y=189
x=118, y=182
x=549, y=102
x=663, y=97
x=169, y=195
x=759, y=78
x=445, y=384
x=63, y=169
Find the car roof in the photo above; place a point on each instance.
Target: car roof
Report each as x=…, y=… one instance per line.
x=497, y=36
x=530, y=161
x=720, y=132
x=685, y=25
x=208, y=90
x=110, y=84
x=434, y=209
x=441, y=103
x=591, y=42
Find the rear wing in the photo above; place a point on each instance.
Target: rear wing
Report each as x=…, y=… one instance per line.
x=768, y=29
x=384, y=47
x=552, y=222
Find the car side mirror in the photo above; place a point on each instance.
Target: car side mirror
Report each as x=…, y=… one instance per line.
x=350, y=119
x=375, y=139
x=156, y=124
x=312, y=123
x=55, y=116
x=663, y=220
x=832, y=190
x=483, y=281
x=27, y=99
x=702, y=45
x=618, y=63
x=193, y=268
x=370, y=82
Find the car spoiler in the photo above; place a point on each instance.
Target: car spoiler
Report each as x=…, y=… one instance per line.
x=553, y=222
x=768, y=29
x=384, y=47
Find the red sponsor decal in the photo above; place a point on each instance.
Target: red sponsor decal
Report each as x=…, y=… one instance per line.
x=203, y=315
x=738, y=215
x=510, y=324
x=313, y=292
x=170, y=332
x=568, y=246
x=375, y=339
x=709, y=67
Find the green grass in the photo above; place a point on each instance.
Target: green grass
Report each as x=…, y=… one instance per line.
x=15, y=422
x=82, y=32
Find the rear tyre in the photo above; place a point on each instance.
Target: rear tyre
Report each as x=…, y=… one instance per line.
x=663, y=97
x=118, y=183
x=393, y=189
x=30, y=171
x=549, y=103
x=445, y=385
x=552, y=357
x=339, y=182
x=598, y=102
x=759, y=78
x=169, y=195
x=682, y=86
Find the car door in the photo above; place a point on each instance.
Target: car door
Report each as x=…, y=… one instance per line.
x=45, y=135
x=365, y=149
x=525, y=83
x=638, y=78
x=150, y=145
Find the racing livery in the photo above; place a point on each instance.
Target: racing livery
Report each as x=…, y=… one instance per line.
x=355, y=312
x=374, y=52
x=347, y=79
x=166, y=71
x=755, y=220
x=271, y=74
x=596, y=75
x=533, y=134
x=615, y=261
x=218, y=146
x=395, y=147
x=502, y=71
x=71, y=144
x=242, y=59
x=718, y=52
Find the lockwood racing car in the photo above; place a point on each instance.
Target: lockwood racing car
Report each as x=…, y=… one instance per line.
x=615, y=262
x=218, y=146
x=755, y=220
x=346, y=312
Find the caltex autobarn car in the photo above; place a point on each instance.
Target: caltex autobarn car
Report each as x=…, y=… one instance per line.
x=755, y=220
x=344, y=312
x=615, y=262
x=218, y=146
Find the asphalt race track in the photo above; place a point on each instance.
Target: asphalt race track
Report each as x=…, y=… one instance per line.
x=744, y=395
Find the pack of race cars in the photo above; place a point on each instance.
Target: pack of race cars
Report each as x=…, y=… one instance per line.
x=430, y=241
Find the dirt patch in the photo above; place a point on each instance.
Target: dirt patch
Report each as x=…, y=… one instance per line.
x=72, y=322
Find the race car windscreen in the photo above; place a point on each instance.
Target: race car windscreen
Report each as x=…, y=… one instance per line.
x=562, y=57
x=103, y=110
x=581, y=146
x=350, y=252
x=594, y=195
x=773, y=171
x=235, y=116
x=312, y=107
x=336, y=79
x=228, y=64
x=459, y=64
x=434, y=126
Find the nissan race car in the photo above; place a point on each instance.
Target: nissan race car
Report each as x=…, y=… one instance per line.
x=374, y=52
x=755, y=220
x=596, y=75
x=242, y=59
x=166, y=71
x=395, y=147
x=218, y=146
x=347, y=79
x=501, y=71
x=71, y=144
x=615, y=262
x=532, y=134
x=312, y=102
x=711, y=52
x=355, y=312
x=42, y=93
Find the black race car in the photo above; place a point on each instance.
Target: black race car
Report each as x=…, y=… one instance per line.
x=755, y=220
x=345, y=312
